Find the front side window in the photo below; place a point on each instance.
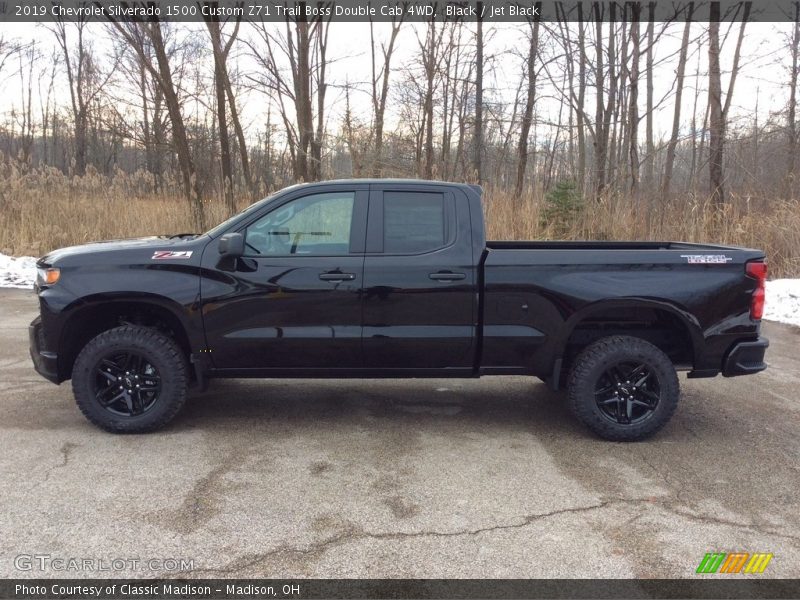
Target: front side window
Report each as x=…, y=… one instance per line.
x=315, y=225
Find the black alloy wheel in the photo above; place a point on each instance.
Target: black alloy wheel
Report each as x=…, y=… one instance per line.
x=130, y=379
x=126, y=383
x=628, y=392
x=623, y=388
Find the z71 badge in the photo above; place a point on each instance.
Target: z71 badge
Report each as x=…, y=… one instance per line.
x=171, y=254
x=706, y=259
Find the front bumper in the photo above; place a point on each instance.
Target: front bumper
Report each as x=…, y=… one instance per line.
x=45, y=363
x=746, y=358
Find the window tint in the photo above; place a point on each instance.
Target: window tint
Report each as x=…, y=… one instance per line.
x=312, y=225
x=413, y=222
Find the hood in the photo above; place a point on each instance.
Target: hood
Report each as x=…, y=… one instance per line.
x=162, y=242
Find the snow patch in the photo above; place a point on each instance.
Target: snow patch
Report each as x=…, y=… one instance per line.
x=783, y=301
x=17, y=272
x=783, y=295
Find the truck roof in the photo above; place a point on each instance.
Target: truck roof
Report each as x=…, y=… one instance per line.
x=369, y=180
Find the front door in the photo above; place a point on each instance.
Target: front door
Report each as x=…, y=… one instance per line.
x=420, y=301
x=293, y=301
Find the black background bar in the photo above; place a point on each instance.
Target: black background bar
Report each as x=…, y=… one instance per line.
x=733, y=587
x=387, y=10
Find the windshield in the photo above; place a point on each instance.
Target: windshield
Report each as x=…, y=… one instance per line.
x=228, y=222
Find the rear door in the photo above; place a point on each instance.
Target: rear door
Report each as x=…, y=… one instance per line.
x=420, y=294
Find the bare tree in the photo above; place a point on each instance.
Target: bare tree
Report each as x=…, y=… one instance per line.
x=222, y=50
x=149, y=36
x=530, y=100
x=85, y=81
x=303, y=45
x=633, y=110
x=717, y=112
x=581, y=98
x=477, y=164
x=650, y=150
x=221, y=86
x=717, y=123
x=676, y=115
x=28, y=56
x=604, y=109
x=791, y=114
x=380, y=88
x=7, y=51
x=431, y=57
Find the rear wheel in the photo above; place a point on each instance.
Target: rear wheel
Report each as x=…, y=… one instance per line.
x=130, y=379
x=623, y=388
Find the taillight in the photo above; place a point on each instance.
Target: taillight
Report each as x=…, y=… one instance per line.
x=758, y=271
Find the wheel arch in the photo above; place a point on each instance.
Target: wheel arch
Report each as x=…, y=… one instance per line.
x=668, y=327
x=92, y=315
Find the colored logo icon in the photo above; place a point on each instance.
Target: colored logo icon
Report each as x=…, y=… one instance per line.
x=734, y=562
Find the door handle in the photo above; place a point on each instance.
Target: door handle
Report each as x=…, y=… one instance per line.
x=334, y=276
x=447, y=276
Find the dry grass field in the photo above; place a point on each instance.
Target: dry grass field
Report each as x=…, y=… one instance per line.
x=43, y=209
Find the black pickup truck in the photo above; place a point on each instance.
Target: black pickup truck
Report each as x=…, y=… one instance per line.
x=392, y=278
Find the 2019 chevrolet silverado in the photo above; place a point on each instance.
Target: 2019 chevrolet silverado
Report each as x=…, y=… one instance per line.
x=392, y=278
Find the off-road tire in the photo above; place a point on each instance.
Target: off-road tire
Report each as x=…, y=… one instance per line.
x=591, y=364
x=160, y=350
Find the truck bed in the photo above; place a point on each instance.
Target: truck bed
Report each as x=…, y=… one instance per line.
x=602, y=245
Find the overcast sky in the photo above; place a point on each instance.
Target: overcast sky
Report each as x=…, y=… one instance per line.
x=761, y=84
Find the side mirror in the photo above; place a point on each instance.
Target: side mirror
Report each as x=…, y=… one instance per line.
x=232, y=245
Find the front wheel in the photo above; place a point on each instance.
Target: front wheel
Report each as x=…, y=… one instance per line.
x=623, y=388
x=130, y=379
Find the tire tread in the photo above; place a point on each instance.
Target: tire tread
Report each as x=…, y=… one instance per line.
x=157, y=342
x=580, y=377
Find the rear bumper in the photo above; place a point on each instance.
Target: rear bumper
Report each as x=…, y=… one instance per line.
x=45, y=363
x=746, y=358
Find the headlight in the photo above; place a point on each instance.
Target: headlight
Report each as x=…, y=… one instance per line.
x=47, y=276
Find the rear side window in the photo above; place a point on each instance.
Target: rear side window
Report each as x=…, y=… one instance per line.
x=414, y=222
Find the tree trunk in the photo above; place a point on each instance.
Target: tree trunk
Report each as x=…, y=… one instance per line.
x=676, y=115
x=693, y=166
x=477, y=166
x=430, y=61
x=718, y=112
x=379, y=98
x=599, y=149
x=581, y=100
x=222, y=118
x=650, y=150
x=611, y=106
x=322, y=87
x=717, y=122
x=791, y=125
x=81, y=125
x=76, y=75
x=190, y=181
x=234, y=112
x=303, y=99
x=527, y=116
x=633, y=110
x=237, y=128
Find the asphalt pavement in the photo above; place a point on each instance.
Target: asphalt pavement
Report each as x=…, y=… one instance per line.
x=395, y=479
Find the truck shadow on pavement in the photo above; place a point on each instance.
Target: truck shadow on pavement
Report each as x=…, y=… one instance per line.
x=518, y=404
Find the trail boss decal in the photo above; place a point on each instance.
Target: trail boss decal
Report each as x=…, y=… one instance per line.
x=706, y=259
x=171, y=254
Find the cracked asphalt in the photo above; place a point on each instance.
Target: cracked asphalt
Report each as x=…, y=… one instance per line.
x=399, y=479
